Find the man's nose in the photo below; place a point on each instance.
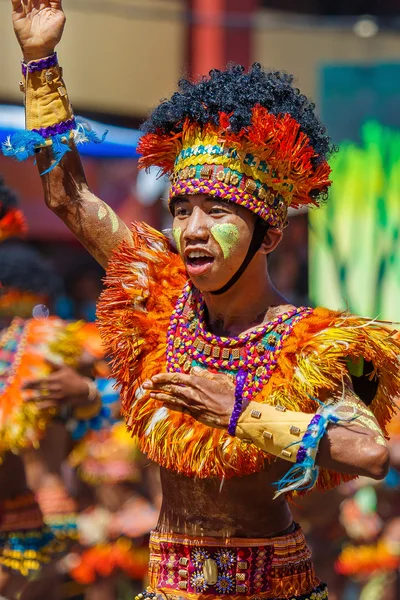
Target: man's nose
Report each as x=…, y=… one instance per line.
x=196, y=228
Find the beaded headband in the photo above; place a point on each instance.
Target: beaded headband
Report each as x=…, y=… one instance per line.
x=266, y=167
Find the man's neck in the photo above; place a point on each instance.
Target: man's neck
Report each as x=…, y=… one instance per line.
x=243, y=306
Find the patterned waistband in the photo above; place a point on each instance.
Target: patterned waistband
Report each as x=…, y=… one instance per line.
x=187, y=567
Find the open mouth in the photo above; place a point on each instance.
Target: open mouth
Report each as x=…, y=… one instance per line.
x=198, y=262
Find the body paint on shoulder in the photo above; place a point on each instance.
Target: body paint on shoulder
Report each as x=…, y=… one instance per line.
x=176, y=234
x=226, y=235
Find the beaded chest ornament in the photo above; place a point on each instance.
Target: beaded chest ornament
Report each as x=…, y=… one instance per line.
x=250, y=357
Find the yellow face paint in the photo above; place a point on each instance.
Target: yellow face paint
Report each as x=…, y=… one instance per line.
x=226, y=235
x=176, y=232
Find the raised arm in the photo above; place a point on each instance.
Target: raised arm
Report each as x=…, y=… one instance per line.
x=67, y=194
x=38, y=25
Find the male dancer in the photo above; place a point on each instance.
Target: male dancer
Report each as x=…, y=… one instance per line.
x=276, y=380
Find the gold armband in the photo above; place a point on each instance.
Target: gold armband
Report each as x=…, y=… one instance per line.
x=273, y=429
x=48, y=113
x=88, y=411
x=47, y=107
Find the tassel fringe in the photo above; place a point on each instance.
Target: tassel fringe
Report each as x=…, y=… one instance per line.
x=24, y=144
x=304, y=474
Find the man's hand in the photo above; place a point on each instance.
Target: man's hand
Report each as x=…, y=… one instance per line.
x=208, y=398
x=38, y=25
x=63, y=386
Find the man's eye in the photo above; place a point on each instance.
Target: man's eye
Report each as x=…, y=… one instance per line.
x=217, y=210
x=181, y=212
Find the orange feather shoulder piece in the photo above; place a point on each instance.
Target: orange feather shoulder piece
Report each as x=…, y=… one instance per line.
x=143, y=283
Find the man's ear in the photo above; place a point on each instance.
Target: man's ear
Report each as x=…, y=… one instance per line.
x=271, y=240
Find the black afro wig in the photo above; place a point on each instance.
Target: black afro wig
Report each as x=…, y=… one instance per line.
x=237, y=92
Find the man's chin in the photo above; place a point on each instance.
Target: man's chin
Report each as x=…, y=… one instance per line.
x=206, y=283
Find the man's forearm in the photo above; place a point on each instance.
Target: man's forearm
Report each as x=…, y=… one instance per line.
x=353, y=450
x=68, y=195
x=354, y=447
x=51, y=131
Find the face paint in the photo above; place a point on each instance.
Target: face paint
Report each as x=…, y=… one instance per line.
x=176, y=232
x=226, y=235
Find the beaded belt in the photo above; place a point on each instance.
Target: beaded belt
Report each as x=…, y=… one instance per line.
x=189, y=568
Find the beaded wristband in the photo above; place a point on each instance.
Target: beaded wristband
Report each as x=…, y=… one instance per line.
x=237, y=409
x=57, y=129
x=304, y=474
x=39, y=65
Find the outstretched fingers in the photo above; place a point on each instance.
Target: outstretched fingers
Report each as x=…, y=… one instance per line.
x=171, y=402
x=168, y=378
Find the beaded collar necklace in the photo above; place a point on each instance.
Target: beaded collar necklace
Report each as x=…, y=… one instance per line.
x=255, y=353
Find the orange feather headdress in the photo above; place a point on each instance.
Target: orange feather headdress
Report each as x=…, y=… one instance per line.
x=265, y=167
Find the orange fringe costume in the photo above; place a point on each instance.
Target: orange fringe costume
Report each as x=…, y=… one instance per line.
x=142, y=285
x=12, y=224
x=368, y=558
x=103, y=560
x=143, y=282
x=25, y=348
x=150, y=326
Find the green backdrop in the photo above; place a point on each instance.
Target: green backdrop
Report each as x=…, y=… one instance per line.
x=354, y=239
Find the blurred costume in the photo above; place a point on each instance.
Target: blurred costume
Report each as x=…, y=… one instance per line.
x=33, y=530
x=370, y=555
x=26, y=542
x=153, y=320
x=113, y=541
x=29, y=534
x=106, y=455
x=26, y=346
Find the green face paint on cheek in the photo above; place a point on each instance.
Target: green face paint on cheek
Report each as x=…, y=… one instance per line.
x=227, y=236
x=176, y=232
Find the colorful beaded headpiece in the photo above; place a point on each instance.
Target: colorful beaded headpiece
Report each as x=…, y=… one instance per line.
x=265, y=167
